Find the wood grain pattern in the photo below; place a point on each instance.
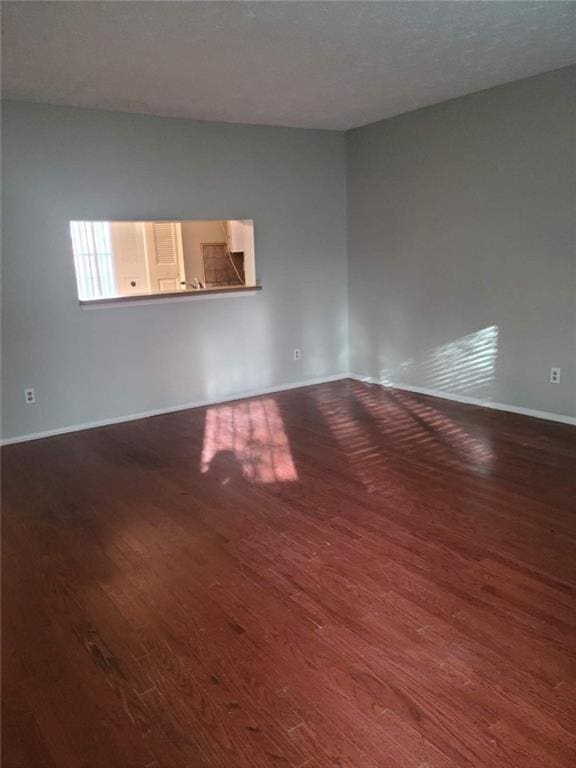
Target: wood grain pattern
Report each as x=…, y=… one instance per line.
x=336, y=576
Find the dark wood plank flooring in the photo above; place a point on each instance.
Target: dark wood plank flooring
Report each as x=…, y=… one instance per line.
x=333, y=576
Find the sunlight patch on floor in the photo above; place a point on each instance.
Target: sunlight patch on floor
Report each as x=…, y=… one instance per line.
x=377, y=428
x=252, y=434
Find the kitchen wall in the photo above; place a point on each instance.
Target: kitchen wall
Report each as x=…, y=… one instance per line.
x=194, y=233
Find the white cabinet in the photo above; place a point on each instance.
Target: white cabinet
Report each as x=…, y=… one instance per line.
x=235, y=235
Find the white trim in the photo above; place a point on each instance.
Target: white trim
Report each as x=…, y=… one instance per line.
x=132, y=301
x=170, y=409
x=296, y=385
x=470, y=400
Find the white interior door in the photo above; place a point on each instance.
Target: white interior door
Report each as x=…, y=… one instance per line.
x=165, y=256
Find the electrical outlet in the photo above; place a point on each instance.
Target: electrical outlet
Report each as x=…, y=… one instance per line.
x=554, y=375
x=297, y=354
x=30, y=395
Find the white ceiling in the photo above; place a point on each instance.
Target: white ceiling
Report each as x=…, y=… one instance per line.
x=313, y=64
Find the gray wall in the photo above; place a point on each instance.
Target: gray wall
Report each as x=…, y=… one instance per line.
x=461, y=245
x=62, y=164
x=461, y=255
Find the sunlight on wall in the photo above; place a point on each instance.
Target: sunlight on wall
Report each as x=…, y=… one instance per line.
x=463, y=365
x=252, y=434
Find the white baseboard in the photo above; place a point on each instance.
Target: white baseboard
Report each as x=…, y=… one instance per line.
x=169, y=409
x=470, y=400
x=295, y=385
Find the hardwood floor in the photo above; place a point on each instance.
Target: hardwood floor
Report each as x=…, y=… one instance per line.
x=333, y=576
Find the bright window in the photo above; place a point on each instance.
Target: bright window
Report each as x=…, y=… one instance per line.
x=119, y=260
x=94, y=259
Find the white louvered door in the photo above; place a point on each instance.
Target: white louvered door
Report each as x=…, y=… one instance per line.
x=165, y=256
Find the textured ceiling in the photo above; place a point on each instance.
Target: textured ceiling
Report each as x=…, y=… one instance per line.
x=315, y=64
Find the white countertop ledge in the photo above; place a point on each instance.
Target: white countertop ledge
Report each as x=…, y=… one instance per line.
x=121, y=302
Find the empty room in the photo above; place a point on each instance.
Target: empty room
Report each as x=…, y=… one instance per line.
x=288, y=384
